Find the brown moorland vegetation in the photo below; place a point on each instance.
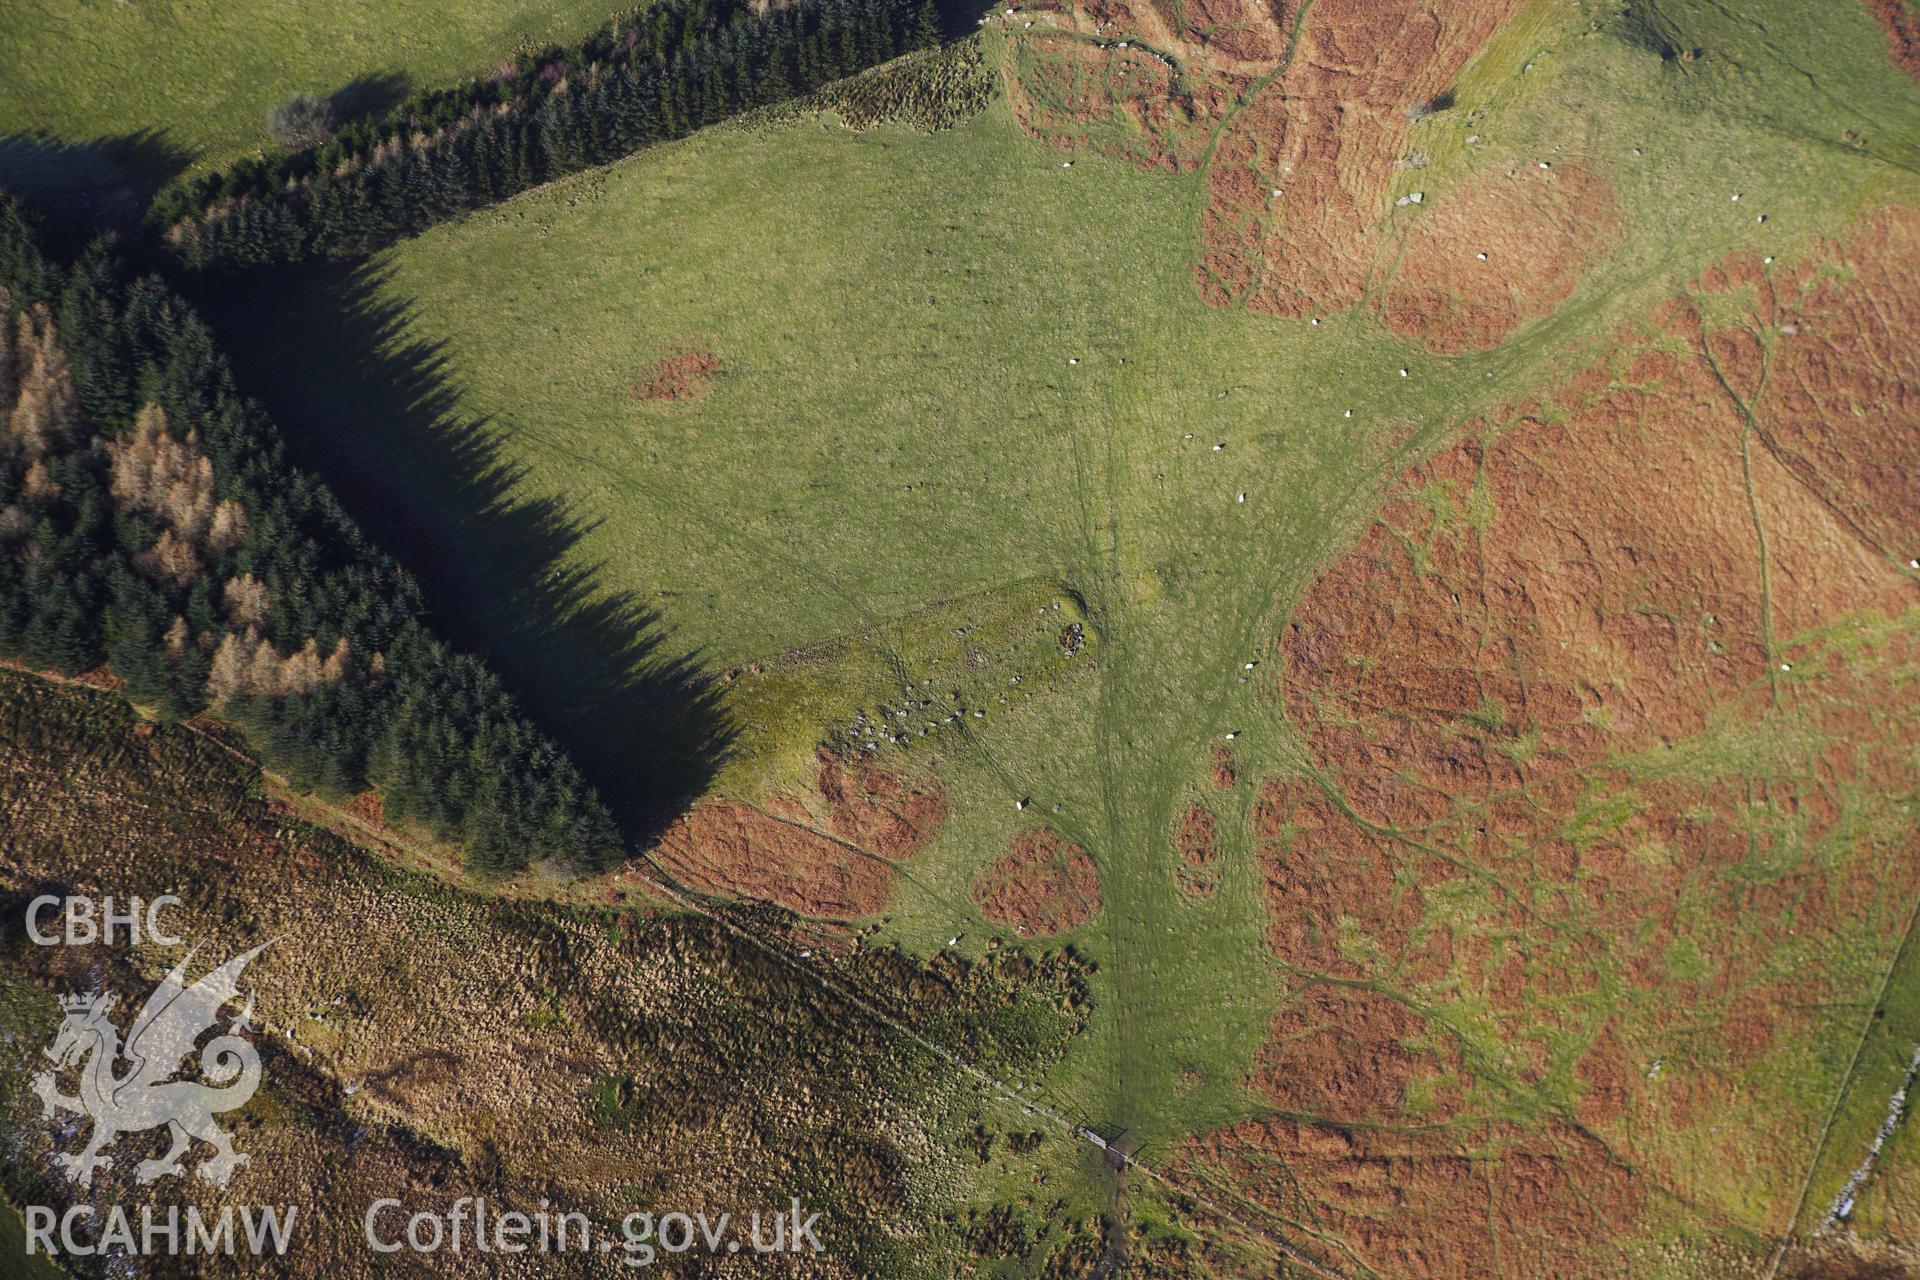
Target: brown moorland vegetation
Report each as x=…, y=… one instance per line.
x=1603, y=707
x=1043, y=885
x=600, y=1063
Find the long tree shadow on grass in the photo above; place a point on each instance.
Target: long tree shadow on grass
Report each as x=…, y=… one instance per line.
x=374, y=414
x=91, y=185
x=373, y=94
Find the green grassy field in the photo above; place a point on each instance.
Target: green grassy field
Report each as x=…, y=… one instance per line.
x=958, y=385
x=15, y=1262
x=100, y=94
x=896, y=420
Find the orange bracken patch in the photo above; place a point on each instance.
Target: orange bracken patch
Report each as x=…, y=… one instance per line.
x=680, y=376
x=1044, y=885
x=1345, y=1055
x=1324, y=876
x=828, y=854
x=1424, y=1206
x=1225, y=776
x=1479, y=262
x=878, y=810
x=1299, y=180
x=726, y=847
x=1902, y=26
x=1301, y=117
x=1198, y=843
x=1840, y=404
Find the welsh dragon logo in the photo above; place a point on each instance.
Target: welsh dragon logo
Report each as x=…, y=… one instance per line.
x=144, y=1094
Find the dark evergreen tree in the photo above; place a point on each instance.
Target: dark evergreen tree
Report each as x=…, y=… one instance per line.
x=926, y=26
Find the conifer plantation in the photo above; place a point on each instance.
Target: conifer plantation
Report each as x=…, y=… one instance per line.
x=672, y=69
x=149, y=519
